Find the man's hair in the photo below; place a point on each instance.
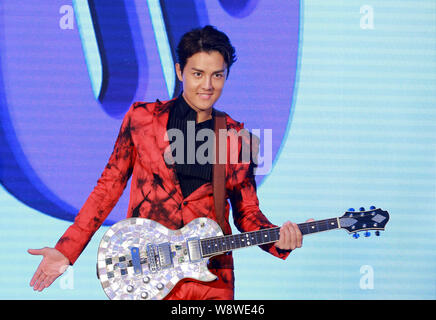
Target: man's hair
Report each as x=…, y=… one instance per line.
x=205, y=39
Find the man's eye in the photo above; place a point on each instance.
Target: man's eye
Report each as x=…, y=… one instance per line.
x=197, y=74
x=219, y=75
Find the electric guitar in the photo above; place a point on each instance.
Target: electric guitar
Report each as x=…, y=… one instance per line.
x=141, y=259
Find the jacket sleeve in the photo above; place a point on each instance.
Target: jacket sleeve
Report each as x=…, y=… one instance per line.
x=104, y=196
x=245, y=203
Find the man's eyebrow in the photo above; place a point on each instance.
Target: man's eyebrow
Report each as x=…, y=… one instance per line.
x=199, y=70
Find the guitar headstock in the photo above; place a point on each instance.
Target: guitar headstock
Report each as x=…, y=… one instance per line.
x=355, y=221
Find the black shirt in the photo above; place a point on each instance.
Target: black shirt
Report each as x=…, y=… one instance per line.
x=191, y=174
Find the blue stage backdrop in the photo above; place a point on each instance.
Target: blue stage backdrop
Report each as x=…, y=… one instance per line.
x=346, y=88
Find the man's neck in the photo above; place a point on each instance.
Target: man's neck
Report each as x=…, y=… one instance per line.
x=204, y=115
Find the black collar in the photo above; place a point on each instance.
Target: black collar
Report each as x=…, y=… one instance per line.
x=183, y=110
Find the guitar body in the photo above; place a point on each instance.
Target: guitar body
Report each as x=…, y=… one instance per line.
x=141, y=259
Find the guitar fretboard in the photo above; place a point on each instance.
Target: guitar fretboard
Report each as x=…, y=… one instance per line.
x=215, y=245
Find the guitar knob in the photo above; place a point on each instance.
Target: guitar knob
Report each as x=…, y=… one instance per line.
x=356, y=235
x=351, y=209
x=362, y=209
x=129, y=288
x=144, y=295
x=377, y=233
x=367, y=234
x=160, y=286
x=146, y=279
x=372, y=208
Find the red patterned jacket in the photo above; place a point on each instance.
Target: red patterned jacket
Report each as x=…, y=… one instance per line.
x=155, y=190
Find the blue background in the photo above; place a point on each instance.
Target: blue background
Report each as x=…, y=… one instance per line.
x=352, y=110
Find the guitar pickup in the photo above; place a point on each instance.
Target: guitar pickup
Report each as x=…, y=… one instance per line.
x=194, y=251
x=165, y=257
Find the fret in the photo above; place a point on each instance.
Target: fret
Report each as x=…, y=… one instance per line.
x=231, y=242
x=237, y=242
x=227, y=240
x=265, y=236
x=210, y=245
x=313, y=227
x=226, y=243
x=304, y=228
x=215, y=246
x=247, y=239
x=219, y=245
x=274, y=234
x=253, y=238
x=322, y=226
x=258, y=237
x=333, y=223
x=242, y=240
x=203, y=247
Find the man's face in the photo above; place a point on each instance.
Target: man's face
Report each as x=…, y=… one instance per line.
x=203, y=79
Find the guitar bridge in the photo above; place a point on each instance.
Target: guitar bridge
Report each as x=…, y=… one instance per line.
x=159, y=256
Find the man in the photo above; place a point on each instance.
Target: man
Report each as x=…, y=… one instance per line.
x=172, y=194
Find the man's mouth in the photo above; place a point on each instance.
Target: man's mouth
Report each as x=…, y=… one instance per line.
x=205, y=96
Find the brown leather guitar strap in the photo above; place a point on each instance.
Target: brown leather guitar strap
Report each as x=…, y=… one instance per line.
x=219, y=170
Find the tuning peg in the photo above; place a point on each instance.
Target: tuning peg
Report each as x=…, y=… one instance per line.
x=377, y=233
x=372, y=208
x=351, y=209
x=362, y=209
x=367, y=234
x=356, y=235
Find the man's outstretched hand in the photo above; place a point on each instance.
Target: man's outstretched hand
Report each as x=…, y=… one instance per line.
x=53, y=264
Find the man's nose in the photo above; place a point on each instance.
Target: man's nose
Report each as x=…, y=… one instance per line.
x=207, y=83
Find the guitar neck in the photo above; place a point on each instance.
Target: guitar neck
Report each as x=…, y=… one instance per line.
x=222, y=244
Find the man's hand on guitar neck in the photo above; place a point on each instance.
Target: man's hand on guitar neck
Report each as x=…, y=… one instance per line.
x=290, y=236
x=53, y=264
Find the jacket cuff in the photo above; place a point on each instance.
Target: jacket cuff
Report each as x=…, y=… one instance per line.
x=277, y=252
x=71, y=244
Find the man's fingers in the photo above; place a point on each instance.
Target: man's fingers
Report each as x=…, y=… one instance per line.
x=285, y=236
x=299, y=236
x=40, y=278
x=39, y=283
x=279, y=242
x=49, y=281
x=36, y=251
x=36, y=276
x=292, y=236
x=288, y=239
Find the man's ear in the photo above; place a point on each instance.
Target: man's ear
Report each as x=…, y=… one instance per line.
x=179, y=72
